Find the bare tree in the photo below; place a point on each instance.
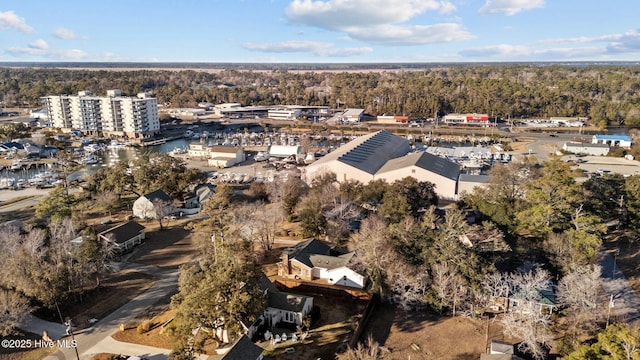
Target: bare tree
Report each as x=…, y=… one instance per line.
x=409, y=286
x=13, y=309
x=374, y=254
x=269, y=222
x=161, y=209
x=578, y=291
x=370, y=351
x=528, y=321
x=107, y=200
x=449, y=285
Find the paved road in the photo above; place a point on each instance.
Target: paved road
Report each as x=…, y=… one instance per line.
x=625, y=300
x=97, y=338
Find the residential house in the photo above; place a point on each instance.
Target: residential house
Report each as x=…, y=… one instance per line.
x=313, y=259
x=124, y=236
x=244, y=349
x=193, y=202
x=284, y=307
x=152, y=205
x=545, y=301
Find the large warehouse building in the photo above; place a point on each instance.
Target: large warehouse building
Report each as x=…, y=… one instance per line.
x=382, y=155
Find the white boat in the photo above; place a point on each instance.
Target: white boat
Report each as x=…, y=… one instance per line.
x=177, y=151
x=7, y=182
x=115, y=144
x=92, y=148
x=16, y=165
x=261, y=156
x=309, y=158
x=89, y=159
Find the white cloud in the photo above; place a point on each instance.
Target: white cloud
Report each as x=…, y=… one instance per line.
x=410, y=34
x=39, y=44
x=507, y=52
x=510, y=7
x=377, y=21
x=287, y=46
x=9, y=20
x=336, y=14
x=608, y=46
x=314, y=47
x=70, y=54
x=613, y=43
x=66, y=34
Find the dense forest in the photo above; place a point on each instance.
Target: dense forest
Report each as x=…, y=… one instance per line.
x=607, y=95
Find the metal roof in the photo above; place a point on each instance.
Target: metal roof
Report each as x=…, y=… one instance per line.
x=612, y=137
x=371, y=153
x=585, y=145
x=426, y=161
x=474, y=178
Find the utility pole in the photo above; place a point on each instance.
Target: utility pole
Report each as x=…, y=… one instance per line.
x=611, y=305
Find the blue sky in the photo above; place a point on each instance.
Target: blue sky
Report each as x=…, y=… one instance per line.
x=319, y=30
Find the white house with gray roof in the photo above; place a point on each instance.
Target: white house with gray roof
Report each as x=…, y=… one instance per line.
x=283, y=306
x=314, y=259
x=152, y=205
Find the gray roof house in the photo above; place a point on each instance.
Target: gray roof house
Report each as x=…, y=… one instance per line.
x=244, y=349
x=124, y=236
x=284, y=307
x=313, y=259
x=145, y=206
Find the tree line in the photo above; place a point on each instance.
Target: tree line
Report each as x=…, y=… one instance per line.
x=608, y=95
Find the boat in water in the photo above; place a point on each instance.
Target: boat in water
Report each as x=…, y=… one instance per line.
x=89, y=159
x=7, y=182
x=92, y=148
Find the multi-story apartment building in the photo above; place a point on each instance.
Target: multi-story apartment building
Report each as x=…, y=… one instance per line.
x=111, y=115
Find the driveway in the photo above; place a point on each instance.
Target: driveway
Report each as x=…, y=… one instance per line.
x=625, y=300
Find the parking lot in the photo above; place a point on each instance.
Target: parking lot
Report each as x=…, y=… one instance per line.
x=605, y=164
